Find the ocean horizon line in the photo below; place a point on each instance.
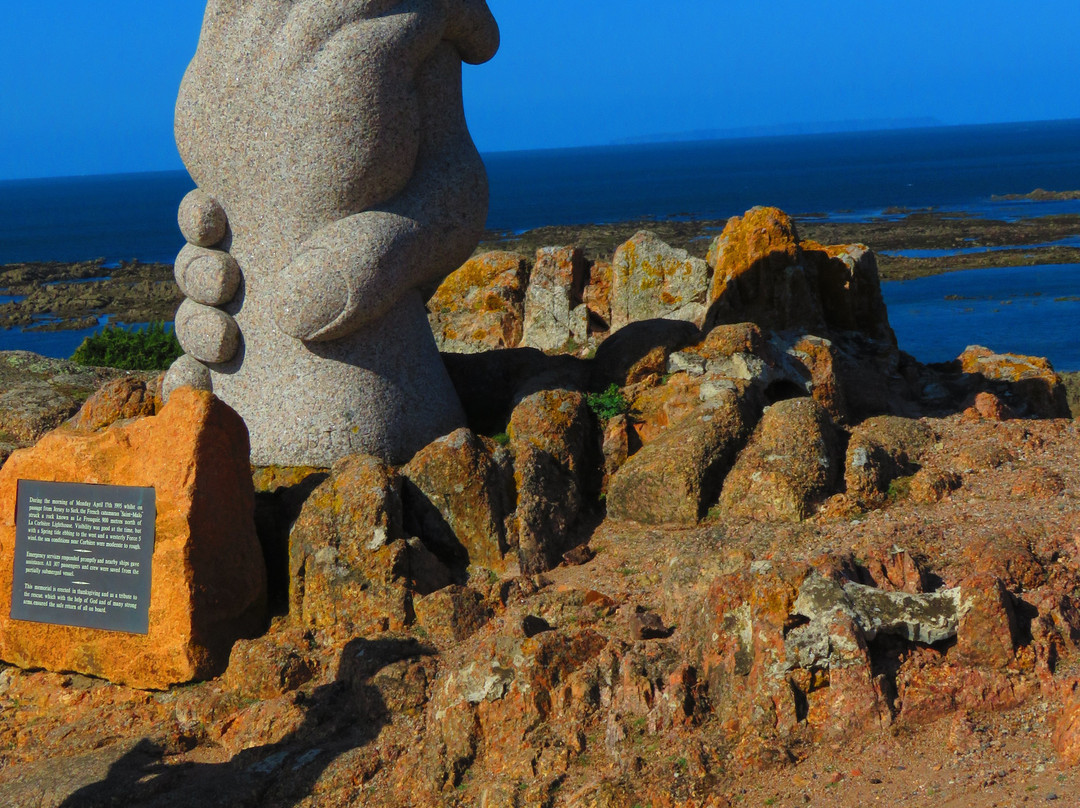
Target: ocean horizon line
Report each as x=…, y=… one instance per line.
x=674, y=140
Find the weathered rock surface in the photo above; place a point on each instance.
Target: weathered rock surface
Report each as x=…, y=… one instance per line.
x=39, y=393
x=881, y=450
x=208, y=580
x=791, y=464
x=676, y=477
x=481, y=306
x=550, y=437
x=348, y=559
x=118, y=400
x=651, y=280
x=759, y=274
x=458, y=497
x=1027, y=383
x=555, y=317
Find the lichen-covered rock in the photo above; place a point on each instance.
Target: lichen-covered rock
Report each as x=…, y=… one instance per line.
x=850, y=289
x=1027, y=383
x=1066, y=737
x=597, y=294
x=349, y=563
x=37, y=393
x=555, y=318
x=651, y=280
x=458, y=497
x=759, y=274
x=451, y=614
x=880, y=450
x=208, y=580
x=678, y=475
x=550, y=437
x=117, y=400
x=988, y=628
x=639, y=351
x=481, y=306
x=790, y=465
x=820, y=359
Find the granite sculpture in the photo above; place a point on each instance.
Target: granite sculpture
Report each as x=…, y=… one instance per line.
x=336, y=180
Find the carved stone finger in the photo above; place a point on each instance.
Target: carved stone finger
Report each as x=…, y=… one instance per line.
x=185, y=372
x=202, y=220
x=314, y=296
x=206, y=276
x=208, y=334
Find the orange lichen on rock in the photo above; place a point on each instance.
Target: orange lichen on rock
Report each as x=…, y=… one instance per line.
x=480, y=306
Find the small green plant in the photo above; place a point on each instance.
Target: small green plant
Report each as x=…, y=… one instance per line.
x=150, y=348
x=608, y=404
x=899, y=488
x=501, y=438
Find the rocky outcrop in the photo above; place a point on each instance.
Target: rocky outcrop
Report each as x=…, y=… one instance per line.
x=790, y=465
x=208, y=579
x=677, y=476
x=650, y=280
x=481, y=306
x=881, y=450
x=555, y=317
x=37, y=394
x=551, y=437
x=459, y=493
x=118, y=400
x=350, y=565
x=1027, y=383
x=759, y=274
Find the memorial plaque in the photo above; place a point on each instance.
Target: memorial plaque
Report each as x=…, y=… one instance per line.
x=83, y=555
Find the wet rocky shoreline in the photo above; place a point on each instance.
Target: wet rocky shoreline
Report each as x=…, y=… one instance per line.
x=56, y=296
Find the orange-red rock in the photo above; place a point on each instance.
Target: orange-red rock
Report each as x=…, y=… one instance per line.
x=1028, y=383
x=458, y=497
x=117, y=400
x=481, y=306
x=790, y=465
x=652, y=280
x=208, y=585
x=759, y=274
x=678, y=475
x=1067, y=728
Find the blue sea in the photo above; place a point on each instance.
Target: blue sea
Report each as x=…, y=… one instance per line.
x=847, y=176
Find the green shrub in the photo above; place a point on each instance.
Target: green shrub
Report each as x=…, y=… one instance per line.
x=150, y=348
x=609, y=403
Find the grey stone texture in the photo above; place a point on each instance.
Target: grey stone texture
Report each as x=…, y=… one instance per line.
x=650, y=279
x=336, y=172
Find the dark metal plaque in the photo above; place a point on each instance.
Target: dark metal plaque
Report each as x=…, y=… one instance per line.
x=83, y=555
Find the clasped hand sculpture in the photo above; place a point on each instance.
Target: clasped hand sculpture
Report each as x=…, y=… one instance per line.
x=336, y=178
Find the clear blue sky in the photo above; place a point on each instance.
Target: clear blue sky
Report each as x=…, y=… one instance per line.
x=88, y=87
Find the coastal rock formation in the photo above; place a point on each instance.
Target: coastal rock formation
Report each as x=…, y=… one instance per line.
x=208, y=579
x=639, y=594
x=789, y=466
x=677, y=476
x=555, y=317
x=650, y=280
x=339, y=177
x=481, y=305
